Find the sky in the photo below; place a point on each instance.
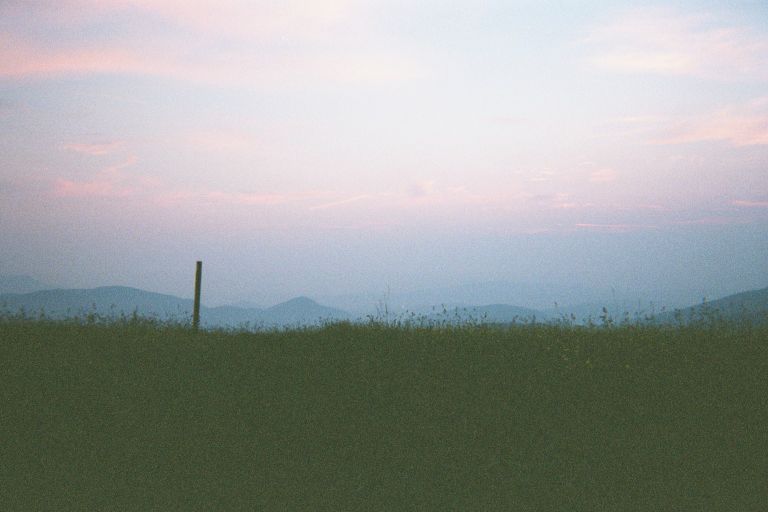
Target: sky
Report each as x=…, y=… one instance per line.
x=336, y=146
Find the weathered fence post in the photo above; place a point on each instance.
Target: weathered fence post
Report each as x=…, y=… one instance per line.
x=196, y=310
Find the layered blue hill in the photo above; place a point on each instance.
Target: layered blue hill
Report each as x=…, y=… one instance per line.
x=746, y=307
x=117, y=301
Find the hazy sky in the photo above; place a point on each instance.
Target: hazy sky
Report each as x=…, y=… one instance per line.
x=336, y=146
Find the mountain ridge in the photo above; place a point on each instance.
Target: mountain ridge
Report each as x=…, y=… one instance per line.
x=114, y=301
x=749, y=306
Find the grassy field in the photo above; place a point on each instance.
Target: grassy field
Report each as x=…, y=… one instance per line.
x=136, y=416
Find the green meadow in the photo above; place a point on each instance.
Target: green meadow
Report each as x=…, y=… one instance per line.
x=135, y=415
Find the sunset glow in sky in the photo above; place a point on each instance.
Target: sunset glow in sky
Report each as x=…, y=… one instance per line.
x=340, y=146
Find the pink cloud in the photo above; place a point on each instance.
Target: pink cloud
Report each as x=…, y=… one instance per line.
x=750, y=204
x=196, y=45
x=710, y=221
x=247, y=19
x=116, y=168
x=741, y=125
x=248, y=198
x=664, y=41
x=645, y=61
x=175, y=196
x=97, y=188
x=422, y=188
x=241, y=18
x=744, y=124
x=739, y=131
x=604, y=175
x=220, y=141
x=112, y=181
x=541, y=176
x=21, y=59
x=95, y=149
x=342, y=202
x=565, y=205
x=172, y=59
x=618, y=228
x=421, y=195
x=559, y=201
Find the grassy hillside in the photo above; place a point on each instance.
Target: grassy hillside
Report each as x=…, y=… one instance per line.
x=137, y=416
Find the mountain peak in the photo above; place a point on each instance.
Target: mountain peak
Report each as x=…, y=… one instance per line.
x=303, y=309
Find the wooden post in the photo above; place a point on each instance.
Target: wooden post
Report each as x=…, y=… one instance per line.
x=196, y=311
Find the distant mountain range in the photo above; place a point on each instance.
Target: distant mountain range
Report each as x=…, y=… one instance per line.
x=534, y=296
x=114, y=301
x=553, y=299
x=23, y=293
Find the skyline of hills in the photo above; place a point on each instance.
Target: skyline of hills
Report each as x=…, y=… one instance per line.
x=749, y=306
x=117, y=301
x=114, y=301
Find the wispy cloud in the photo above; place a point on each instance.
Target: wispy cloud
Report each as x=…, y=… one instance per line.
x=750, y=203
x=24, y=60
x=176, y=196
x=95, y=188
x=233, y=18
x=422, y=194
x=617, y=228
x=603, y=175
x=110, y=182
x=541, y=176
x=117, y=182
x=221, y=141
x=422, y=188
x=711, y=221
x=740, y=125
x=342, y=202
x=288, y=43
x=247, y=19
x=560, y=201
x=173, y=195
x=95, y=149
x=665, y=41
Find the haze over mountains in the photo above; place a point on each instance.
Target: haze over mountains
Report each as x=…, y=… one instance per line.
x=545, y=300
x=20, y=284
x=114, y=301
x=750, y=307
x=483, y=302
